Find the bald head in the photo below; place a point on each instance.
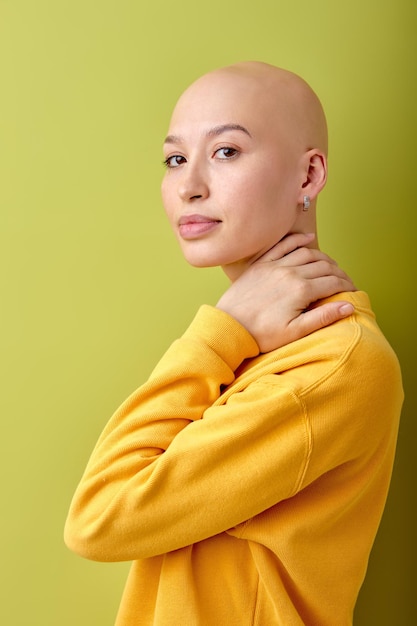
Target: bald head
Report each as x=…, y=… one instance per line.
x=278, y=98
x=246, y=149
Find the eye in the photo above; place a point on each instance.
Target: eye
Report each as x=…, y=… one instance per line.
x=226, y=153
x=174, y=161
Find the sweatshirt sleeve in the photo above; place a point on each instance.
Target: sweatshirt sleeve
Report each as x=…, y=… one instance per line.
x=176, y=464
x=139, y=494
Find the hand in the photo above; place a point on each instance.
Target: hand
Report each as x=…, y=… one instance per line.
x=273, y=298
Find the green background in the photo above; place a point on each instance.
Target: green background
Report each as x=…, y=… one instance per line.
x=93, y=287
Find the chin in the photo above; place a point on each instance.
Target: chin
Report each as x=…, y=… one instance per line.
x=201, y=258
x=201, y=262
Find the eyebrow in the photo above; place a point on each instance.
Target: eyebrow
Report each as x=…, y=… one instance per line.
x=213, y=132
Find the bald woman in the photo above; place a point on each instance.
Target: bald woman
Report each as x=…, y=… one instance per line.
x=247, y=477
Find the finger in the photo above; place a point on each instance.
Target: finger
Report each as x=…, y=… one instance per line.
x=304, y=256
x=320, y=317
x=324, y=287
x=320, y=268
x=287, y=245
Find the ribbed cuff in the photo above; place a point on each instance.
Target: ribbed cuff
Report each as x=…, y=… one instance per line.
x=223, y=334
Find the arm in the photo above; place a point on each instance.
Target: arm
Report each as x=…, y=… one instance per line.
x=161, y=477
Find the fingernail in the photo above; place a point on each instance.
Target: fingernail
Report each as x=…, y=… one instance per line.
x=346, y=309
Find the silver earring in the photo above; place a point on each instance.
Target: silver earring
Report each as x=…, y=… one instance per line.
x=306, y=203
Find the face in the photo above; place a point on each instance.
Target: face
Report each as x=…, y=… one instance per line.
x=233, y=175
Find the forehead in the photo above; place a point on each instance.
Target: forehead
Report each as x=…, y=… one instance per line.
x=225, y=98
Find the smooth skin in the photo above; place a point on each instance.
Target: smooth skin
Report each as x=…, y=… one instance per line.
x=245, y=144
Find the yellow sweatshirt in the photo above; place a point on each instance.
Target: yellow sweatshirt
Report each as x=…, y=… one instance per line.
x=247, y=488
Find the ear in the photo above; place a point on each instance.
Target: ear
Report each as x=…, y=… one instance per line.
x=315, y=173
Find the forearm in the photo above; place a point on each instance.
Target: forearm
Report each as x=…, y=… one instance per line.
x=116, y=494
x=161, y=477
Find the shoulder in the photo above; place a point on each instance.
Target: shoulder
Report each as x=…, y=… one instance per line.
x=354, y=346
x=357, y=347
x=351, y=377
x=350, y=361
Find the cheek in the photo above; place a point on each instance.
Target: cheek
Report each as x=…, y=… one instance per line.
x=243, y=190
x=266, y=181
x=270, y=202
x=167, y=196
x=277, y=189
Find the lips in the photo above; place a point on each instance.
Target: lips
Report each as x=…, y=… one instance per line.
x=194, y=226
x=195, y=219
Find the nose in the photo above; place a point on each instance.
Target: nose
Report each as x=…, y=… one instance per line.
x=193, y=184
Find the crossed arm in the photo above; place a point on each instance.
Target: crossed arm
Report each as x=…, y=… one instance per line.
x=159, y=471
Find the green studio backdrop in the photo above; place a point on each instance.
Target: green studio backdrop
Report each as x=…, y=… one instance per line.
x=93, y=287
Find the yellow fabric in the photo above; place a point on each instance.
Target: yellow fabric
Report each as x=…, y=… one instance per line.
x=247, y=488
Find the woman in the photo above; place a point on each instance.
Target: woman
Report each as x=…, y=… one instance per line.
x=247, y=477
